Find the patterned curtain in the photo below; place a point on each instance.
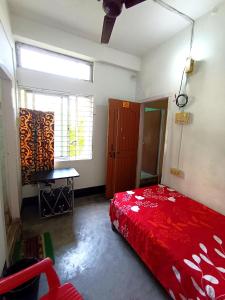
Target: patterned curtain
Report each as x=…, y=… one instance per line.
x=36, y=142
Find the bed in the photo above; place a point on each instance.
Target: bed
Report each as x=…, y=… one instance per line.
x=181, y=241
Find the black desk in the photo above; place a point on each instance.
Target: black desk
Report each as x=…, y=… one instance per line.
x=55, y=174
x=55, y=201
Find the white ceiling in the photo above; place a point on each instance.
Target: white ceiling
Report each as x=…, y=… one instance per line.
x=136, y=30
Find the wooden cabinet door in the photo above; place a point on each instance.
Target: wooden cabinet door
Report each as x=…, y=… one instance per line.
x=123, y=135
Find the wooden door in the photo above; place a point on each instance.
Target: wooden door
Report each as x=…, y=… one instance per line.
x=151, y=137
x=123, y=134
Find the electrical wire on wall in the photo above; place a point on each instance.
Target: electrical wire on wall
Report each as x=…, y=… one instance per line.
x=182, y=98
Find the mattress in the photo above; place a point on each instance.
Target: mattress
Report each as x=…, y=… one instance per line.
x=180, y=240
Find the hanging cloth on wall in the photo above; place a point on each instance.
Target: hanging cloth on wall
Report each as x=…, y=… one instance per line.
x=36, y=142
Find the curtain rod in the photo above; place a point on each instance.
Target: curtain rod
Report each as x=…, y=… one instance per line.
x=192, y=21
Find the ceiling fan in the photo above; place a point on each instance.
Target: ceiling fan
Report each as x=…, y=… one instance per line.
x=113, y=9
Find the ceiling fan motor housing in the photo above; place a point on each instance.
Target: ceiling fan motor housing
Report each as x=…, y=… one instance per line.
x=112, y=8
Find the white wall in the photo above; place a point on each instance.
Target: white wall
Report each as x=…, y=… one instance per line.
x=109, y=81
x=6, y=40
x=8, y=120
x=3, y=246
x=2, y=194
x=30, y=31
x=7, y=67
x=203, y=148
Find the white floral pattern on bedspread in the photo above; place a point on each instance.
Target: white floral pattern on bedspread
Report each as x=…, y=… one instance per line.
x=180, y=240
x=205, y=286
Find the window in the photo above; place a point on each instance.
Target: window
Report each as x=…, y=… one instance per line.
x=73, y=121
x=38, y=59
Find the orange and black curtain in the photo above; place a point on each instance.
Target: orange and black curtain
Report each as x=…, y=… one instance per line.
x=36, y=142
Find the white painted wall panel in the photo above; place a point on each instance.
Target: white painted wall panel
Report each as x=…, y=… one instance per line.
x=6, y=51
x=36, y=32
x=203, y=148
x=2, y=193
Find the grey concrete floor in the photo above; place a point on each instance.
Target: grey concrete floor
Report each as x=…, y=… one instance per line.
x=90, y=255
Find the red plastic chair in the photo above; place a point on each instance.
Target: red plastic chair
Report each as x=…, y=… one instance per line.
x=56, y=290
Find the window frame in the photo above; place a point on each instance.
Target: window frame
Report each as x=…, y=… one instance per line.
x=62, y=94
x=19, y=45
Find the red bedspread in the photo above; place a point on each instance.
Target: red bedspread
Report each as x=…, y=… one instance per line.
x=180, y=240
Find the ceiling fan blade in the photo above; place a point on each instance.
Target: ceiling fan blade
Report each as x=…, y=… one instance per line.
x=107, y=29
x=130, y=3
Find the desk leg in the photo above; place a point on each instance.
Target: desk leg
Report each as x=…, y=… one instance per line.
x=69, y=183
x=72, y=195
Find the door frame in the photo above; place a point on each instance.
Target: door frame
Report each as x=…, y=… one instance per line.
x=11, y=144
x=141, y=132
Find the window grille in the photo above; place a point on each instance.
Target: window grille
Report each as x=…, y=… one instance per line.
x=73, y=121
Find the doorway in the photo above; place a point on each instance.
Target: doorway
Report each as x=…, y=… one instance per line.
x=153, y=118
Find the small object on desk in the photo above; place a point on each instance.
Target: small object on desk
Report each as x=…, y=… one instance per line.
x=59, y=200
